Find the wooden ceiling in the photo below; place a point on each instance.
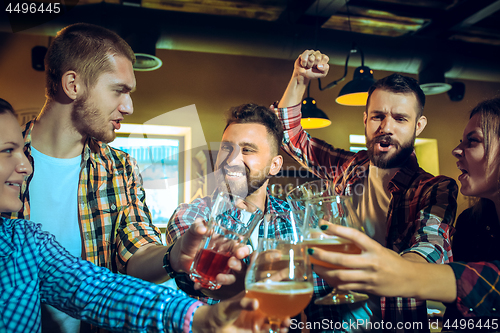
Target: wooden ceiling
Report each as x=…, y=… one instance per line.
x=472, y=21
x=458, y=37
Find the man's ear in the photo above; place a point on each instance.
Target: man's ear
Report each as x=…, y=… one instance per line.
x=365, y=117
x=276, y=164
x=421, y=123
x=71, y=85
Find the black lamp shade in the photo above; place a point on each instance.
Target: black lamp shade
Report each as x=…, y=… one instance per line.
x=432, y=81
x=355, y=92
x=143, y=43
x=312, y=117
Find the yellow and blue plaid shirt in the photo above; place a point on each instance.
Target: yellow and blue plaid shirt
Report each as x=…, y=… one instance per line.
x=114, y=219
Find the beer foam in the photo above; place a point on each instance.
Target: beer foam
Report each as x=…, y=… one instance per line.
x=286, y=287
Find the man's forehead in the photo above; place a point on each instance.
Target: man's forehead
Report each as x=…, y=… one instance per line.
x=384, y=101
x=121, y=73
x=247, y=132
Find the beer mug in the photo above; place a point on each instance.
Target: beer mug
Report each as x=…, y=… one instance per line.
x=232, y=221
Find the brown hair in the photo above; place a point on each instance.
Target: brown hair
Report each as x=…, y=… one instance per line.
x=253, y=113
x=6, y=107
x=489, y=114
x=398, y=83
x=85, y=49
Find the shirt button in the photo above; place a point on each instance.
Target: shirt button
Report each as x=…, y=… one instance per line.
x=113, y=206
x=494, y=309
x=488, y=228
x=471, y=310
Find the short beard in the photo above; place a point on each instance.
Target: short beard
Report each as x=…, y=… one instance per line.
x=252, y=184
x=400, y=158
x=87, y=120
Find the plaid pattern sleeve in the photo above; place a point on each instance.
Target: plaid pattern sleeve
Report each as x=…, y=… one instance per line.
x=421, y=211
x=318, y=156
x=478, y=288
x=179, y=223
x=115, y=219
x=40, y=270
x=184, y=216
x=434, y=219
x=113, y=215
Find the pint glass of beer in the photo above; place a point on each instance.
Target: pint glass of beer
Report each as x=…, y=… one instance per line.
x=280, y=278
x=332, y=210
x=298, y=196
x=232, y=220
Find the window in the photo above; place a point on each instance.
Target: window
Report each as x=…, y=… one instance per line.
x=160, y=152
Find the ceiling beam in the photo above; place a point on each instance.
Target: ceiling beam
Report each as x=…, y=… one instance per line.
x=295, y=10
x=325, y=8
x=282, y=40
x=441, y=28
x=478, y=16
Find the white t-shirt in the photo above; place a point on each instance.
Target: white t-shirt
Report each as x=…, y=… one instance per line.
x=54, y=203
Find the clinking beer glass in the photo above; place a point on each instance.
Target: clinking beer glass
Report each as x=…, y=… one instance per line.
x=326, y=210
x=232, y=220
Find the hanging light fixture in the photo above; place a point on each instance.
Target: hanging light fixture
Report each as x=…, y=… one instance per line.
x=312, y=117
x=432, y=81
x=143, y=43
x=355, y=92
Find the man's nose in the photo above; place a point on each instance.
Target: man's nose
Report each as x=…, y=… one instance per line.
x=235, y=157
x=126, y=106
x=386, y=126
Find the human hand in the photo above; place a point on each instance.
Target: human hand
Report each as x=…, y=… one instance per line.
x=185, y=248
x=238, y=314
x=311, y=65
x=184, y=252
x=233, y=282
x=376, y=270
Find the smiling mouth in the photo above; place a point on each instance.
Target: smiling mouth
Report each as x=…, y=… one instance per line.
x=234, y=174
x=15, y=186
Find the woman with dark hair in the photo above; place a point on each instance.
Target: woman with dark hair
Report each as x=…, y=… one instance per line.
x=471, y=284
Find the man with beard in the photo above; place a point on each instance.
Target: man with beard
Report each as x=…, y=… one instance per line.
x=85, y=192
x=248, y=157
x=404, y=208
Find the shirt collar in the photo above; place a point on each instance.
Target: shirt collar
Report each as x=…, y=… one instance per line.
x=273, y=204
x=401, y=179
x=90, y=151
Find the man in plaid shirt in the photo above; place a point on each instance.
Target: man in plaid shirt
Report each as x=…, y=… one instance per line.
x=404, y=208
x=95, y=191
x=247, y=158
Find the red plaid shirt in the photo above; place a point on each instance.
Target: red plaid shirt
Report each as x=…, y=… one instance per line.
x=478, y=288
x=421, y=210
